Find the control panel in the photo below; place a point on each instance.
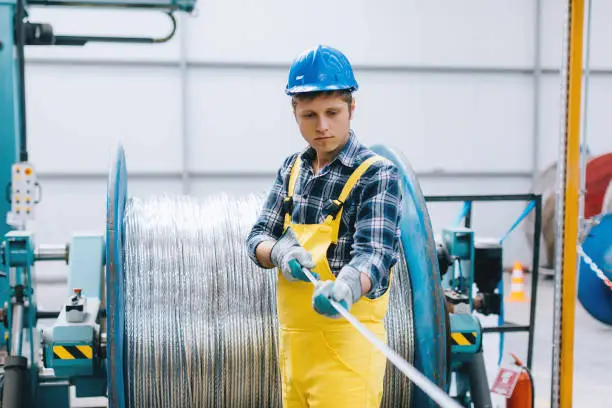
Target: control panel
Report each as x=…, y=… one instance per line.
x=23, y=193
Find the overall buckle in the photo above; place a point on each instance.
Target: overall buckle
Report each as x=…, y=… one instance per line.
x=337, y=206
x=288, y=205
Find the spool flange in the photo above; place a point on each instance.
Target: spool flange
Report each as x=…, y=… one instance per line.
x=427, y=295
x=115, y=211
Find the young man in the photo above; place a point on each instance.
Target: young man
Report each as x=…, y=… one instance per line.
x=334, y=209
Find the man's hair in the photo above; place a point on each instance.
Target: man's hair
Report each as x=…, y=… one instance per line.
x=345, y=94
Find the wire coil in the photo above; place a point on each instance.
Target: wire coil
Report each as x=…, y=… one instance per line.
x=200, y=318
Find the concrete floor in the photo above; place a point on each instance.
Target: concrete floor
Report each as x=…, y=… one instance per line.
x=592, y=349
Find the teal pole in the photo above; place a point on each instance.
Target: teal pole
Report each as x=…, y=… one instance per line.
x=9, y=107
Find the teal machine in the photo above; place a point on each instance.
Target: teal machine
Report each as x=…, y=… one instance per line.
x=457, y=260
x=37, y=366
x=84, y=346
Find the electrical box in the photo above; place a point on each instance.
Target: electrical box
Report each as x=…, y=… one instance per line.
x=459, y=243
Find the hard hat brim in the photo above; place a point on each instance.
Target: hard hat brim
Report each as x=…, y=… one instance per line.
x=318, y=88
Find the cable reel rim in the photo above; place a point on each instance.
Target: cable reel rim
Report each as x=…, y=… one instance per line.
x=115, y=212
x=427, y=296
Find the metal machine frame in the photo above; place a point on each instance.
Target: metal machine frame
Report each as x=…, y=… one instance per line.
x=508, y=327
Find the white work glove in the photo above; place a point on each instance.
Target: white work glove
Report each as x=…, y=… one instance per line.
x=287, y=249
x=345, y=290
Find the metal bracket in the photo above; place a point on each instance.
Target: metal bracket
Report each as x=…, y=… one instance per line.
x=42, y=34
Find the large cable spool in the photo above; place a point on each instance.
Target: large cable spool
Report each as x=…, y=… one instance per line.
x=178, y=334
x=594, y=295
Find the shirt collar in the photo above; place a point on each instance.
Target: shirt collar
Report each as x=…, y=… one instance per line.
x=347, y=156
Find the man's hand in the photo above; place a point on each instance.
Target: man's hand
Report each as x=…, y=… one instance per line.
x=345, y=290
x=288, y=248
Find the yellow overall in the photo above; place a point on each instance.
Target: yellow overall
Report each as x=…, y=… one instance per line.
x=325, y=362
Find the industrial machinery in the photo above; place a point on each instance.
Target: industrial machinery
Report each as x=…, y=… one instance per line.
x=38, y=366
x=85, y=347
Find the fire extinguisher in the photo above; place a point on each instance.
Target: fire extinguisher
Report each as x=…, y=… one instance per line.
x=523, y=393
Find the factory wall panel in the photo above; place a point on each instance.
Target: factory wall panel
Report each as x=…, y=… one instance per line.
x=554, y=13
x=552, y=32
x=442, y=122
x=239, y=120
x=381, y=33
x=450, y=122
x=77, y=114
x=599, y=125
x=273, y=31
x=550, y=121
x=601, y=34
x=476, y=33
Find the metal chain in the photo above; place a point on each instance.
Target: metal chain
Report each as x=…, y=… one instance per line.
x=595, y=268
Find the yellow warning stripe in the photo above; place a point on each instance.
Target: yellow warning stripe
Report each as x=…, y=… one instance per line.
x=86, y=350
x=62, y=353
x=460, y=339
x=464, y=339
x=73, y=352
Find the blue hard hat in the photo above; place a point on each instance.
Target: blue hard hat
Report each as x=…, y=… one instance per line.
x=320, y=69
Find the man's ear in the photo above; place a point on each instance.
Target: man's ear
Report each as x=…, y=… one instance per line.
x=352, y=109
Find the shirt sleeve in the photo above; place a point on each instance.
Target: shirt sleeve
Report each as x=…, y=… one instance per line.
x=376, y=240
x=269, y=223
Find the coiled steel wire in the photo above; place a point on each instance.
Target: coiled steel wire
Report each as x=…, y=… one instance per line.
x=201, y=326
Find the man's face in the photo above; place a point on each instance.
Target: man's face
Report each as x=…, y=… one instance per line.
x=324, y=122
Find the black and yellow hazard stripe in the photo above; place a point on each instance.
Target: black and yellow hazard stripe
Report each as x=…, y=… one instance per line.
x=463, y=339
x=75, y=352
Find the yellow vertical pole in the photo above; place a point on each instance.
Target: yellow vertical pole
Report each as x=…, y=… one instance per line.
x=569, y=227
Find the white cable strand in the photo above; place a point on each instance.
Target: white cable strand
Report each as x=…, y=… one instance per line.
x=201, y=321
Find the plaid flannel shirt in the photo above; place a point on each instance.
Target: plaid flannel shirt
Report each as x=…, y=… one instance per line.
x=369, y=231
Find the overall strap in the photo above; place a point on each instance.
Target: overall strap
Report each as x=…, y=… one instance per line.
x=348, y=187
x=288, y=201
